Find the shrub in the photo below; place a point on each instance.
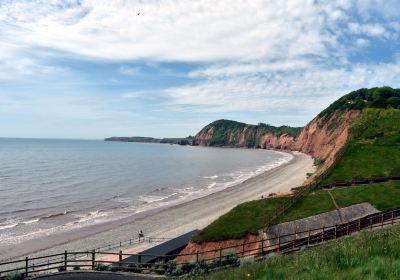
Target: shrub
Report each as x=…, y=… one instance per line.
x=200, y=268
x=246, y=261
x=231, y=259
x=14, y=276
x=101, y=267
x=61, y=268
x=113, y=268
x=319, y=161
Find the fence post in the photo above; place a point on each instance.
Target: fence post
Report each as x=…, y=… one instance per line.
x=262, y=246
x=347, y=229
x=382, y=220
x=294, y=238
x=26, y=266
x=139, y=260
x=120, y=260
x=335, y=231
x=308, y=238
x=323, y=233
x=243, y=249
x=220, y=255
x=93, y=259
x=279, y=242
x=392, y=217
x=120, y=244
x=370, y=223
x=65, y=260
x=130, y=241
x=359, y=224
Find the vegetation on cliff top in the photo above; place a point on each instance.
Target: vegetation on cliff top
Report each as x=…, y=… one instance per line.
x=379, y=97
x=369, y=255
x=373, y=147
x=372, y=150
x=227, y=132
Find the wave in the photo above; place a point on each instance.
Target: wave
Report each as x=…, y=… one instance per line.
x=13, y=224
x=8, y=226
x=211, y=177
x=52, y=216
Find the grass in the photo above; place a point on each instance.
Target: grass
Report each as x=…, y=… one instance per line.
x=313, y=204
x=369, y=255
x=244, y=218
x=366, y=160
x=373, y=149
x=250, y=216
x=381, y=196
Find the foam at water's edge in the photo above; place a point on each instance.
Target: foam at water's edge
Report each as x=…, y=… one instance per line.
x=147, y=202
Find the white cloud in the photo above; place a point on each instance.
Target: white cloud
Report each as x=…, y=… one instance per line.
x=129, y=71
x=310, y=89
x=373, y=30
x=171, y=29
x=258, y=55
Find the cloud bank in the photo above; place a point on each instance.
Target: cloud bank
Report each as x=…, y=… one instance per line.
x=272, y=57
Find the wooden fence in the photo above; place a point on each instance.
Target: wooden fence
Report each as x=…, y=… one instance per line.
x=372, y=180
x=94, y=260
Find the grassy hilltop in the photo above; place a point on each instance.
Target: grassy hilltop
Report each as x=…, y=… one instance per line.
x=372, y=150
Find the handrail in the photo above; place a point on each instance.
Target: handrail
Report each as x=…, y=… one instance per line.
x=258, y=248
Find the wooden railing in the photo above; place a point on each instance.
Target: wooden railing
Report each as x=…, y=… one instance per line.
x=258, y=249
x=371, y=180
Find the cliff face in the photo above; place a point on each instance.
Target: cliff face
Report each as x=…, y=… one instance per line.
x=322, y=138
x=236, y=134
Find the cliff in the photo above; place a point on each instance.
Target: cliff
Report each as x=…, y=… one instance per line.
x=322, y=138
x=237, y=134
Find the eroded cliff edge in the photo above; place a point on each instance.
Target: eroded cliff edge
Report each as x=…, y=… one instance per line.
x=322, y=138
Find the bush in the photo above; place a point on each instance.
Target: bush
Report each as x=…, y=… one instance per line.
x=113, y=268
x=14, y=276
x=170, y=268
x=231, y=259
x=319, y=161
x=200, y=268
x=61, y=268
x=101, y=267
x=246, y=261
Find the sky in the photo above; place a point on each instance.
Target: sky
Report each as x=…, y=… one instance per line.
x=91, y=69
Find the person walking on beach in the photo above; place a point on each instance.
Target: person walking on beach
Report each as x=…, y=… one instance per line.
x=141, y=235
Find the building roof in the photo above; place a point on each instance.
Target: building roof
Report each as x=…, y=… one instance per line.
x=170, y=247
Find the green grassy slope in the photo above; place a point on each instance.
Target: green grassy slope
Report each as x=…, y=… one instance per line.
x=373, y=147
x=369, y=255
x=372, y=150
x=246, y=217
x=250, y=216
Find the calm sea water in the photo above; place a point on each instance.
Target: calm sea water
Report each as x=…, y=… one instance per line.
x=48, y=186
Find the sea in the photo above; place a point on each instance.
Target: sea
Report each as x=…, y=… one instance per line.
x=54, y=186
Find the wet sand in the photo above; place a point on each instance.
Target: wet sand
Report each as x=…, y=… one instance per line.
x=172, y=221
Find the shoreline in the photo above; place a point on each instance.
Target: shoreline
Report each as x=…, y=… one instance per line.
x=174, y=220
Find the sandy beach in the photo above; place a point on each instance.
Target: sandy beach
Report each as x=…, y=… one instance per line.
x=175, y=220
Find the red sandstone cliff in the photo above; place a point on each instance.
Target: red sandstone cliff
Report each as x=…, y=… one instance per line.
x=321, y=138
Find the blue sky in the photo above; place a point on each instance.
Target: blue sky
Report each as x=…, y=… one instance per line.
x=165, y=68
